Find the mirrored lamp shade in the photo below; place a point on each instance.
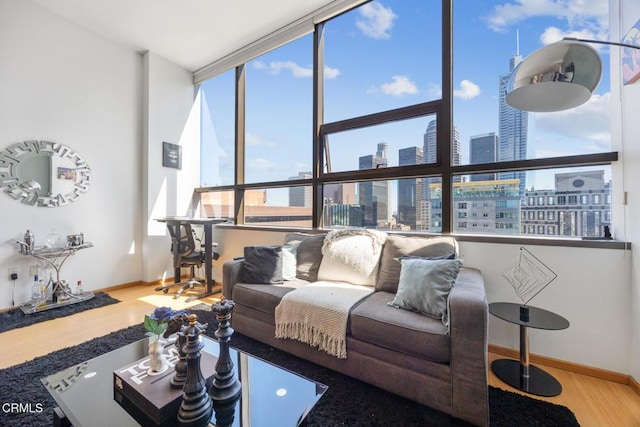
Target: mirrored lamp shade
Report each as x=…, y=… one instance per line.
x=556, y=77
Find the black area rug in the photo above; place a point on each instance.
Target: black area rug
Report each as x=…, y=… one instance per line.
x=15, y=318
x=347, y=403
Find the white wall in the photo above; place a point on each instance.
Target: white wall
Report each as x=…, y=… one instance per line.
x=61, y=83
x=628, y=97
x=592, y=291
x=171, y=114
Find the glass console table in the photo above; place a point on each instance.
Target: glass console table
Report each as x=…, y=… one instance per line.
x=60, y=294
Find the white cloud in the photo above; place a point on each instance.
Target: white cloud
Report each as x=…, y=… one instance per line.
x=331, y=73
x=589, y=14
x=554, y=34
x=590, y=123
x=435, y=90
x=256, y=140
x=260, y=164
x=297, y=71
x=401, y=85
x=376, y=20
x=275, y=67
x=252, y=139
x=468, y=90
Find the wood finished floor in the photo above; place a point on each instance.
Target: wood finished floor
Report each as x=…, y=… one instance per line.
x=596, y=402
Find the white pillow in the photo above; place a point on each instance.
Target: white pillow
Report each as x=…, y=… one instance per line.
x=351, y=256
x=289, y=251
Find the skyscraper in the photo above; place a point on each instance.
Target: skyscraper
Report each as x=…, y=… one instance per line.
x=410, y=191
x=301, y=196
x=483, y=149
x=430, y=149
x=374, y=196
x=513, y=126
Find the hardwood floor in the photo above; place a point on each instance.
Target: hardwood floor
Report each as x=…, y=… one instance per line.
x=596, y=402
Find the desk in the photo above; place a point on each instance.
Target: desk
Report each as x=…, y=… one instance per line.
x=521, y=374
x=60, y=295
x=207, y=224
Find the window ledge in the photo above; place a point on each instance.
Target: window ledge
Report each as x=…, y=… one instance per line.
x=511, y=240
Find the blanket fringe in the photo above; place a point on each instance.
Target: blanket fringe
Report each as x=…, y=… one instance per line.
x=314, y=337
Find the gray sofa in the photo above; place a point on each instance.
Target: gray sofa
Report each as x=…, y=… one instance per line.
x=401, y=351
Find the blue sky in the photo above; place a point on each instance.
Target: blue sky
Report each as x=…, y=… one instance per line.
x=387, y=55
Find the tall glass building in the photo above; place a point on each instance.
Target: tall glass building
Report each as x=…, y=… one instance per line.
x=513, y=127
x=374, y=196
x=430, y=149
x=483, y=149
x=410, y=192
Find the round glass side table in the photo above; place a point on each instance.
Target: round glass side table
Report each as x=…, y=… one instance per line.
x=521, y=374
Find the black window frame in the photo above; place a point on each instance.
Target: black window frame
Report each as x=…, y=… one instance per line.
x=442, y=109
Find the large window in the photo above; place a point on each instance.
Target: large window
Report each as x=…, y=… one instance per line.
x=278, y=113
x=217, y=133
x=382, y=55
x=365, y=123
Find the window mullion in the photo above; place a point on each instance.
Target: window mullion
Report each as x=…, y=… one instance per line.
x=240, y=143
x=318, y=119
x=445, y=122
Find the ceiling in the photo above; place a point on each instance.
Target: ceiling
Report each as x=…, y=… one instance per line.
x=189, y=33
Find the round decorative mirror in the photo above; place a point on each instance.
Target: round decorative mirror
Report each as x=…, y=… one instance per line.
x=43, y=173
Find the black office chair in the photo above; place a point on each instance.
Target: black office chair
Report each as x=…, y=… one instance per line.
x=188, y=256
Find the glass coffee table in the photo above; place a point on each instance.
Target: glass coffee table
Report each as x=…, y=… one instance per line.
x=271, y=394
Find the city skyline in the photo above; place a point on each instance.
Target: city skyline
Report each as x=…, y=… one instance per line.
x=279, y=85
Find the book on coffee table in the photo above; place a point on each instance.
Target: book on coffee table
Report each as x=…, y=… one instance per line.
x=150, y=398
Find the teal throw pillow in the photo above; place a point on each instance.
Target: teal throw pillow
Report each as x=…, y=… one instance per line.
x=425, y=285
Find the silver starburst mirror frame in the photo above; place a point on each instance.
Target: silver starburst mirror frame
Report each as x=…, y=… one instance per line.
x=43, y=173
x=528, y=275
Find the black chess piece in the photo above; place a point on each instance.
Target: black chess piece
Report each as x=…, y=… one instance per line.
x=196, y=407
x=225, y=411
x=180, y=374
x=225, y=384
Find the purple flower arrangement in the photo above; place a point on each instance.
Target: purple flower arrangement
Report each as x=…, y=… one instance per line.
x=157, y=323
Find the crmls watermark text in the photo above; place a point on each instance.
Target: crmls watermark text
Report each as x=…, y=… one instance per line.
x=18, y=408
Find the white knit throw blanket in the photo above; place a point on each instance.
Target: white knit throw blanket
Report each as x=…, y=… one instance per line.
x=317, y=315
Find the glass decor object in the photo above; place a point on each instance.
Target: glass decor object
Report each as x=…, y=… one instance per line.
x=528, y=275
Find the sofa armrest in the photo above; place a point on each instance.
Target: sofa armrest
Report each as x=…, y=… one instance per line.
x=231, y=271
x=468, y=317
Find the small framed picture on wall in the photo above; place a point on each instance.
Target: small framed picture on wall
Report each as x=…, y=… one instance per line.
x=171, y=155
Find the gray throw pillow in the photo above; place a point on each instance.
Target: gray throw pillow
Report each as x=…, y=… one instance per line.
x=425, y=286
x=308, y=254
x=262, y=264
x=398, y=246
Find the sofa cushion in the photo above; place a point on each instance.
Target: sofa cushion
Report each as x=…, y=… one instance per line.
x=262, y=264
x=308, y=254
x=352, y=256
x=405, y=331
x=263, y=298
x=425, y=285
x=289, y=261
x=397, y=246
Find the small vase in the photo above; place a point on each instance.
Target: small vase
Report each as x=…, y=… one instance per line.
x=157, y=359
